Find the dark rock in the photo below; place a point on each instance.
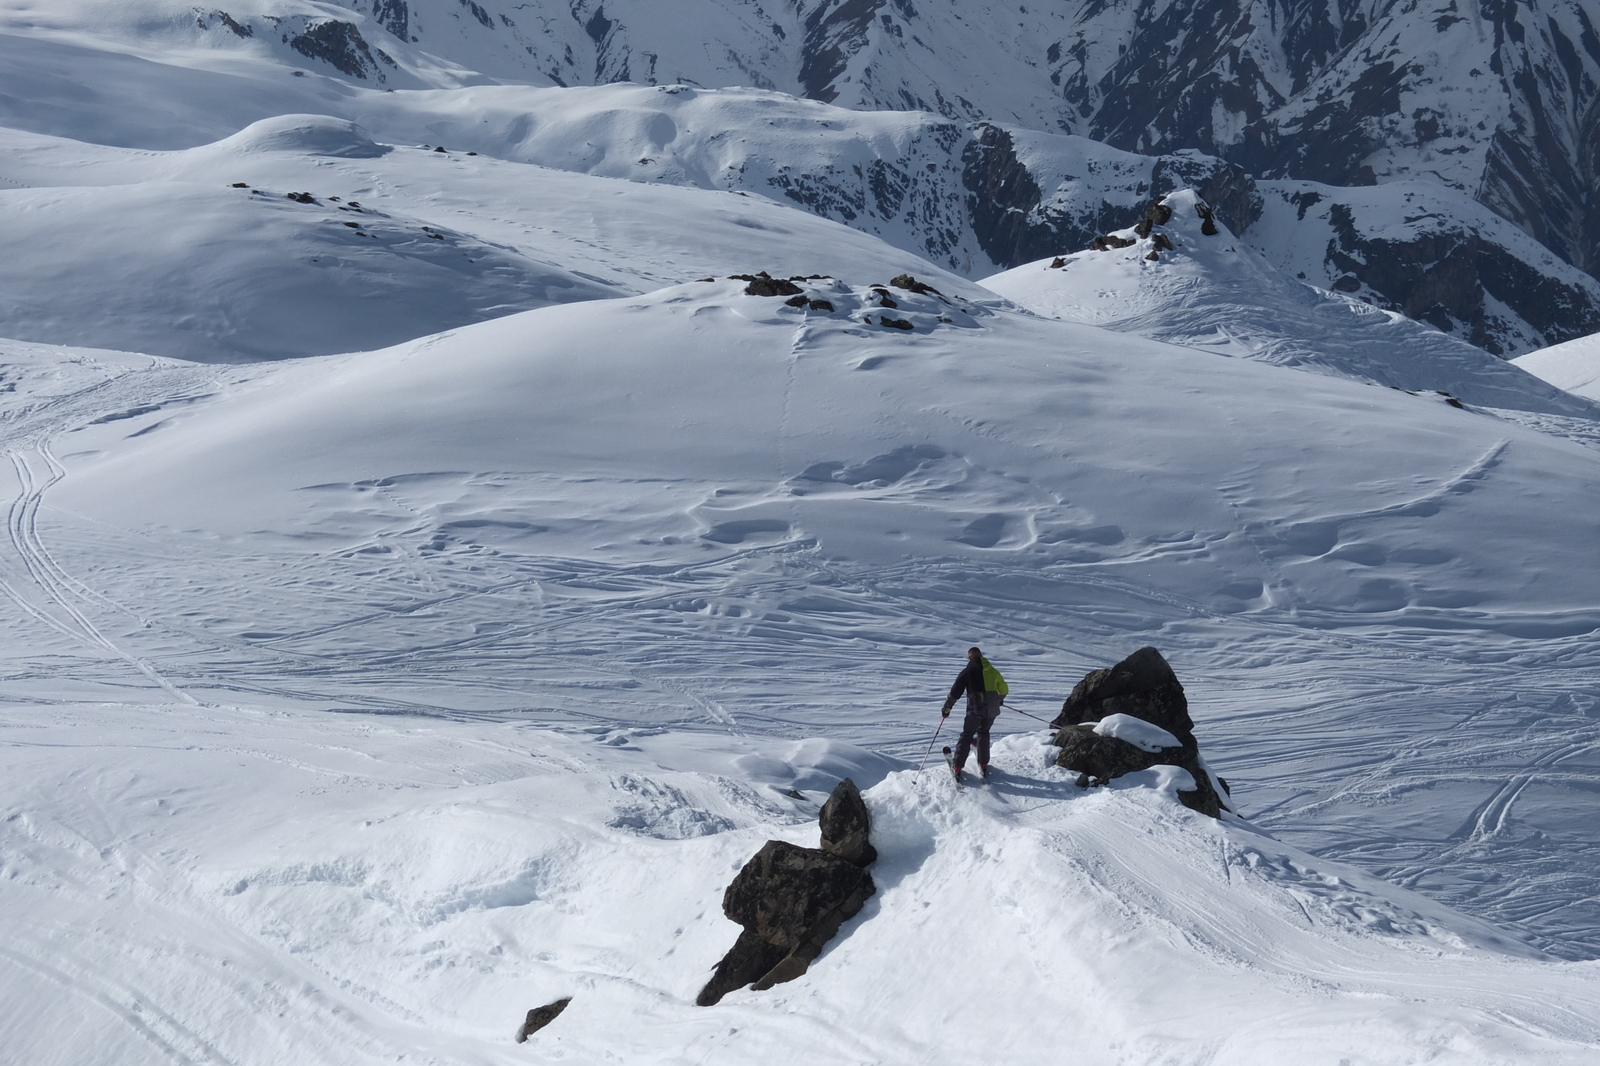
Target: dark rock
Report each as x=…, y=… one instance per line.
x=764, y=284
x=340, y=45
x=1158, y=213
x=821, y=305
x=790, y=901
x=1141, y=686
x=1143, y=227
x=241, y=185
x=884, y=299
x=1108, y=242
x=911, y=284
x=1162, y=243
x=1058, y=262
x=439, y=149
x=797, y=301
x=1154, y=256
x=1106, y=757
x=845, y=825
x=539, y=1017
x=896, y=323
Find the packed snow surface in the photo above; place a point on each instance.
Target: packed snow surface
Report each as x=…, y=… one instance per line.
x=357, y=704
x=1574, y=366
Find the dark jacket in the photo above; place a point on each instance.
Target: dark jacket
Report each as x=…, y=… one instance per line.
x=971, y=680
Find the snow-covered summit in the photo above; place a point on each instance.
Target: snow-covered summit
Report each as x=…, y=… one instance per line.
x=1574, y=366
x=1181, y=277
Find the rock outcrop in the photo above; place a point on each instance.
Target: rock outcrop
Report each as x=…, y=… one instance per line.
x=1142, y=687
x=539, y=1017
x=792, y=900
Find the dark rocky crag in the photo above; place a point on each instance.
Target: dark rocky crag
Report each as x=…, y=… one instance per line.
x=792, y=900
x=1141, y=686
x=539, y=1017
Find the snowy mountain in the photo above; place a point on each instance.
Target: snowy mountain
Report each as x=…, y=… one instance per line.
x=362, y=702
x=450, y=529
x=1181, y=277
x=1279, y=93
x=1573, y=366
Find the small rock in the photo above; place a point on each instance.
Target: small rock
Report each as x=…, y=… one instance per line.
x=439, y=149
x=539, y=1017
x=1154, y=256
x=798, y=301
x=896, y=323
x=821, y=305
x=1058, y=262
x=911, y=284
x=884, y=299
x=241, y=185
x=1162, y=242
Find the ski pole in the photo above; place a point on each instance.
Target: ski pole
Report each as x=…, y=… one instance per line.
x=1025, y=714
x=931, y=739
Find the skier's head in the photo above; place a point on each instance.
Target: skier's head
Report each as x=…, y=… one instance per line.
x=974, y=654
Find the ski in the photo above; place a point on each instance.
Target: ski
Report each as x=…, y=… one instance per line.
x=950, y=760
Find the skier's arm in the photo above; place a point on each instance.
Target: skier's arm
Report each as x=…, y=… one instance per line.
x=956, y=690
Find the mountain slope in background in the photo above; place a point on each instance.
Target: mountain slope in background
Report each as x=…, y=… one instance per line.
x=1574, y=366
x=1175, y=282
x=1338, y=93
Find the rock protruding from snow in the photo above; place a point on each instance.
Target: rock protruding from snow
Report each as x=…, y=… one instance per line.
x=792, y=900
x=845, y=825
x=1141, y=686
x=539, y=1017
x=1132, y=717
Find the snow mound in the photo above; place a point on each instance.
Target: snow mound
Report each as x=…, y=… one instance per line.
x=1574, y=366
x=316, y=135
x=1143, y=735
x=1216, y=293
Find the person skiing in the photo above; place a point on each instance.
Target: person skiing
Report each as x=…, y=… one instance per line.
x=985, y=688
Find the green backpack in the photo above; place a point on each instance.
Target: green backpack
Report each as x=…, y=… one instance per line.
x=992, y=681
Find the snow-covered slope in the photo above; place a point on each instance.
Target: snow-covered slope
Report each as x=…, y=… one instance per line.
x=970, y=195
x=589, y=585
x=206, y=254
x=1178, y=284
x=1574, y=366
x=1493, y=100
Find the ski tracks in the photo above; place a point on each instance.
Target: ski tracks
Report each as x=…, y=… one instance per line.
x=30, y=575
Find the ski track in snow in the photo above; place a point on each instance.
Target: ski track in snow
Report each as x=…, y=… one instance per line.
x=705, y=647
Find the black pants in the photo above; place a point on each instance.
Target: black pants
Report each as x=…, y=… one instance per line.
x=976, y=726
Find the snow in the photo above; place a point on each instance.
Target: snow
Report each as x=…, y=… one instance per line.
x=1136, y=731
x=1574, y=366
x=439, y=240
x=439, y=636
x=1216, y=293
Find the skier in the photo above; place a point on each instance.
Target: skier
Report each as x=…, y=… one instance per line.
x=985, y=688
